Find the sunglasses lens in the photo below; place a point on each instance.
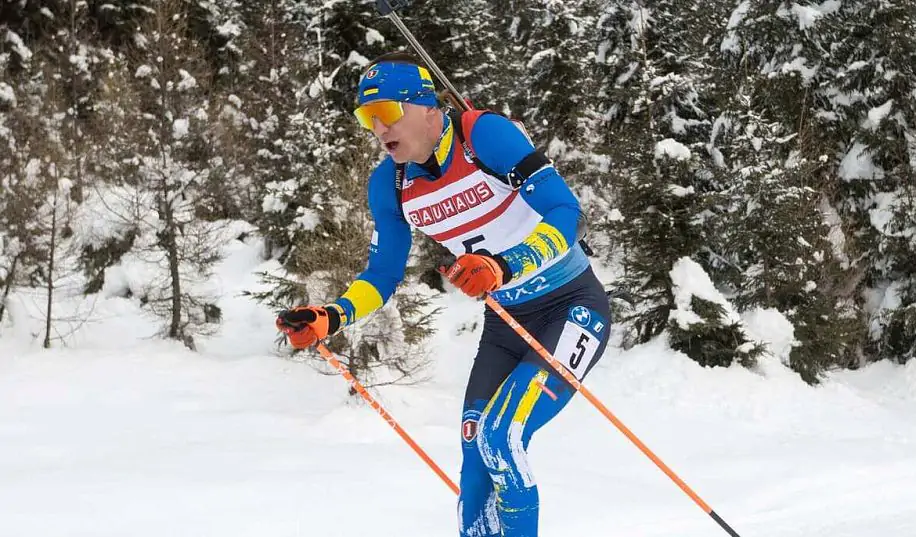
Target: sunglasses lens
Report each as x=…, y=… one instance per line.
x=388, y=112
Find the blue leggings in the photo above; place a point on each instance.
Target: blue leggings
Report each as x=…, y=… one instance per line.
x=512, y=393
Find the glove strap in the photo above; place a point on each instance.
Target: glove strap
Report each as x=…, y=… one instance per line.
x=507, y=272
x=337, y=318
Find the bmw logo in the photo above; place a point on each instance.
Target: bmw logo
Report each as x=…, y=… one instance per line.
x=581, y=315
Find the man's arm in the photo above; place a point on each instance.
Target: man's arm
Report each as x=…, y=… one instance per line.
x=501, y=146
x=388, y=251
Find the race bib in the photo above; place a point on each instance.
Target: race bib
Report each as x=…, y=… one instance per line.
x=580, y=340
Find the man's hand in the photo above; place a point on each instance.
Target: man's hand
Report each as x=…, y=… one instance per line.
x=305, y=325
x=476, y=274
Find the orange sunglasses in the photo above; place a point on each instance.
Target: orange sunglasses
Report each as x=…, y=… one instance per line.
x=388, y=112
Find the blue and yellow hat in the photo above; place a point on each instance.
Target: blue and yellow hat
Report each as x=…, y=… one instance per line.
x=397, y=81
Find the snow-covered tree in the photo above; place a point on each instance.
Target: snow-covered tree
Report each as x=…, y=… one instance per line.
x=38, y=168
x=870, y=111
x=665, y=182
x=171, y=109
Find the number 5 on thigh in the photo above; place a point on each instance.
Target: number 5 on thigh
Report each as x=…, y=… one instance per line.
x=580, y=340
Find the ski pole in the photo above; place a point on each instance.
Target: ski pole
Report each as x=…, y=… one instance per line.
x=520, y=330
x=329, y=357
x=387, y=8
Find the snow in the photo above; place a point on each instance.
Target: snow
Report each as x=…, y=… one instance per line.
x=638, y=23
x=18, y=46
x=797, y=65
x=307, y=219
x=679, y=191
x=738, y=15
x=187, y=81
x=625, y=77
x=836, y=236
x=119, y=434
x=809, y=15
x=673, y=149
x=876, y=115
x=143, y=71
x=537, y=57
x=373, y=36
x=688, y=280
x=886, y=204
x=7, y=95
x=857, y=164
x=229, y=29
x=107, y=213
x=65, y=185
x=277, y=191
x=80, y=61
x=32, y=170
x=357, y=59
x=771, y=327
x=180, y=128
x=557, y=148
x=911, y=147
x=731, y=43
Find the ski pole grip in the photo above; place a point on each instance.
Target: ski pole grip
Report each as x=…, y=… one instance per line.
x=387, y=6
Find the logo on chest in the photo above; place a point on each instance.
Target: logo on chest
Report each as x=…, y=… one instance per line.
x=453, y=205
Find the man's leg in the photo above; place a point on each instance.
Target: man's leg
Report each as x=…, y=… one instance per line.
x=477, y=502
x=528, y=399
x=532, y=395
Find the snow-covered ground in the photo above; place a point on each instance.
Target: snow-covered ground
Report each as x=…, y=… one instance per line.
x=124, y=435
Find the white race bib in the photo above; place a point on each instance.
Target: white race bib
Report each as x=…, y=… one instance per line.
x=579, y=342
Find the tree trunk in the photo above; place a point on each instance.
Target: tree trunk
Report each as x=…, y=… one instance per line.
x=7, y=286
x=51, y=252
x=171, y=249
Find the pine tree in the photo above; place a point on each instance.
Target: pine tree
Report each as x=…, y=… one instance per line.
x=872, y=120
x=775, y=249
x=670, y=189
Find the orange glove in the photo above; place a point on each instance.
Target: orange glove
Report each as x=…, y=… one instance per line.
x=476, y=274
x=305, y=325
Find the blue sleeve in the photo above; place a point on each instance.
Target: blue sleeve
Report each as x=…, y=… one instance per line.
x=500, y=145
x=391, y=239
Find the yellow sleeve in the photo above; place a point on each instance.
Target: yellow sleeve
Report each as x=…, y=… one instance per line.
x=543, y=244
x=361, y=299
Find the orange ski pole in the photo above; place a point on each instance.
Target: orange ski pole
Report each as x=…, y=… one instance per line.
x=329, y=357
x=520, y=330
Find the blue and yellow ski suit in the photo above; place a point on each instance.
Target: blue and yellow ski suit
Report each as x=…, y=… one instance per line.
x=511, y=392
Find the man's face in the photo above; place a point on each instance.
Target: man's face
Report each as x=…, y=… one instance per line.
x=410, y=138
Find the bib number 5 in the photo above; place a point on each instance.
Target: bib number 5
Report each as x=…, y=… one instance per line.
x=576, y=359
x=580, y=340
